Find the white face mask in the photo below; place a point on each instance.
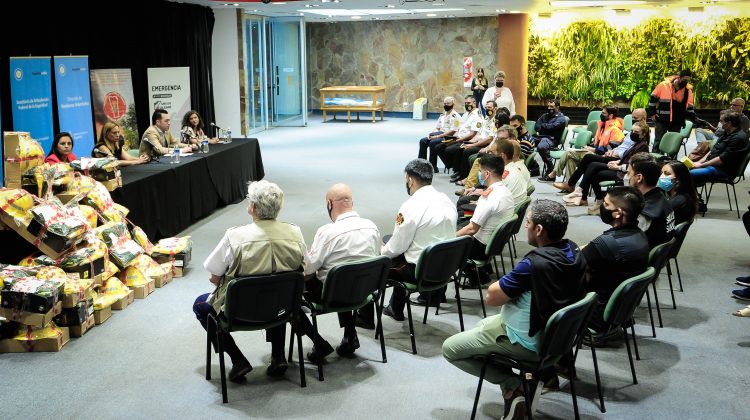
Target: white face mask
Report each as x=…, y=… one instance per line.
x=626, y=180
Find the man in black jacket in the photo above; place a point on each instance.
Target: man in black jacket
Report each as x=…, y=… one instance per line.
x=657, y=217
x=548, y=278
x=549, y=129
x=724, y=160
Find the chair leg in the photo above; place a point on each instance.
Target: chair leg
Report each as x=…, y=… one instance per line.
x=320, y=365
x=635, y=342
x=426, y=308
x=630, y=355
x=512, y=261
x=572, y=369
x=596, y=374
x=479, y=389
x=458, y=303
x=411, y=327
x=208, y=347
x=497, y=272
x=513, y=245
x=301, y=357
x=481, y=295
x=220, y=339
x=291, y=344
x=379, y=329
x=729, y=198
x=677, y=268
x=736, y=204
x=502, y=261
x=656, y=303
x=671, y=289
x=650, y=313
x=527, y=395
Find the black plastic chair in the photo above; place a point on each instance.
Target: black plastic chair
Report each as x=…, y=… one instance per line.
x=657, y=258
x=564, y=331
x=438, y=265
x=680, y=232
x=521, y=213
x=734, y=180
x=257, y=303
x=348, y=287
x=618, y=314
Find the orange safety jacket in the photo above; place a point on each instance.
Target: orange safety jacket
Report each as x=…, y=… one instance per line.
x=611, y=131
x=663, y=100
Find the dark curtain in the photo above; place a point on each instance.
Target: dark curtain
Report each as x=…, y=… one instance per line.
x=134, y=35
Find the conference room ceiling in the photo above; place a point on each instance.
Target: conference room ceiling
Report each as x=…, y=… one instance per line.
x=352, y=10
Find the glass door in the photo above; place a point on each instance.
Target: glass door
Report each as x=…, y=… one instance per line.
x=287, y=81
x=256, y=74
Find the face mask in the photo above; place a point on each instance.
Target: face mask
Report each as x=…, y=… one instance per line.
x=634, y=136
x=603, y=118
x=490, y=112
x=407, y=188
x=329, y=207
x=469, y=107
x=447, y=108
x=551, y=111
x=606, y=214
x=480, y=177
x=499, y=84
x=665, y=183
x=683, y=83
x=626, y=180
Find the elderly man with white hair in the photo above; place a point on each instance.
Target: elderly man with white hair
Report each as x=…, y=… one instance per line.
x=263, y=247
x=447, y=125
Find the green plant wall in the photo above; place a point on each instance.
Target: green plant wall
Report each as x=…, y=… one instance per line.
x=591, y=62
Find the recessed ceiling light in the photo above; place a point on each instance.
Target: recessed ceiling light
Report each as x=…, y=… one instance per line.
x=431, y=15
x=390, y=6
x=592, y=3
x=235, y=4
x=515, y=11
x=356, y=17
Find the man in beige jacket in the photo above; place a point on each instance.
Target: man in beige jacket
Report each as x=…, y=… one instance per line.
x=157, y=140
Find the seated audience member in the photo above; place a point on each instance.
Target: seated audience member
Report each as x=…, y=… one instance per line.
x=193, y=129
x=676, y=182
x=494, y=207
x=483, y=138
x=620, y=252
x=549, y=129
x=471, y=123
x=158, y=141
x=112, y=144
x=744, y=281
x=727, y=155
x=427, y=217
x=447, y=125
x=711, y=132
x=62, y=149
x=657, y=217
x=548, y=278
x=263, y=247
x=348, y=238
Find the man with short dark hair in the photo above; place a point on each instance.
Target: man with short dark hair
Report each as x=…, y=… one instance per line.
x=158, y=141
x=726, y=156
x=620, y=252
x=710, y=132
x=548, y=278
x=549, y=130
x=471, y=123
x=657, y=217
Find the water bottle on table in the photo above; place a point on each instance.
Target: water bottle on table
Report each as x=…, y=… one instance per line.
x=229, y=135
x=176, y=155
x=204, y=146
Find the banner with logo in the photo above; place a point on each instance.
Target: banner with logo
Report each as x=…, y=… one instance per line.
x=169, y=89
x=112, y=99
x=468, y=71
x=31, y=97
x=74, y=101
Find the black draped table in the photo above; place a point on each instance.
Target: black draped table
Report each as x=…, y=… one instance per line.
x=166, y=198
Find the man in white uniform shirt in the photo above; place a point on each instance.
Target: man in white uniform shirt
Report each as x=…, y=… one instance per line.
x=348, y=238
x=447, y=125
x=471, y=123
x=427, y=217
x=514, y=177
x=494, y=207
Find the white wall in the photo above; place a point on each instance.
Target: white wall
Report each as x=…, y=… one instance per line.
x=226, y=73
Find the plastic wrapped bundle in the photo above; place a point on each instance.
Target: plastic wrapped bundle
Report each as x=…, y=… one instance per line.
x=100, y=199
x=53, y=218
x=21, y=154
x=177, y=251
x=111, y=291
x=31, y=294
x=122, y=249
x=15, y=206
x=142, y=239
x=105, y=170
x=38, y=179
x=49, y=337
x=88, y=260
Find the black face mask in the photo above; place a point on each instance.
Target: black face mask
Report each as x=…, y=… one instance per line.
x=634, y=136
x=683, y=83
x=603, y=118
x=490, y=112
x=407, y=188
x=329, y=207
x=499, y=84
x=469, y=107
x=605, y=214
x=551, y=111
x=447, y=108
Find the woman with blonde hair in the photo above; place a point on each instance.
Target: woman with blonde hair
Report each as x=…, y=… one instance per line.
x=111, y=143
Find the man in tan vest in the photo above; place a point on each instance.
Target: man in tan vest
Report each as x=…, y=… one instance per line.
x=262, y=247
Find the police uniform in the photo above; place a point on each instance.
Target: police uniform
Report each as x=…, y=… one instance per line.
x=470, y=122
x=427, y=217
x=487, y=131
x=448, y=121
x=516, y=178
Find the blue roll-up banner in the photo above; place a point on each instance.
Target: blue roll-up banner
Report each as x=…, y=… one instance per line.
x=31, y=98
x=74, y=101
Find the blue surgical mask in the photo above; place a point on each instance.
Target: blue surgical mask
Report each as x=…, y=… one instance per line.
x=480, y=177
x=665, y=183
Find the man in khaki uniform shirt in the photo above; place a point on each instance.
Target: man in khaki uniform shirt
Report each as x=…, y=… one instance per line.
x=262, y=247
x=157, y=140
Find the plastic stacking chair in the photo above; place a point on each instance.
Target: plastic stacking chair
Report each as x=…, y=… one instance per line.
x=500, y=237
x=521, y=213
x=680, y=232
x=257, y=303
x=657, y=258
x=592, y=127
x=592, y=117
x=669, y=146
x=530, y=189
x=530, y=158
x=734, y=180
x=564, y=331
x=581, y=140
x=618, y=314
x=627, y=122
x=530, y=127
x=438, y=265
x=685, y=133
x=349, y=287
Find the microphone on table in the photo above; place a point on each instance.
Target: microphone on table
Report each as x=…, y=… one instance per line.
x=217, y=128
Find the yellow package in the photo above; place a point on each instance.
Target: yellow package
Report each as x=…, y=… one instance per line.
x=89, y=214
x=17, y=203
x=27, y=332
x=110, y=269
x=142, y=239
x=29, y=261
x=51, y=273
x=171, y=246
x=133, y=276
x=110, y=292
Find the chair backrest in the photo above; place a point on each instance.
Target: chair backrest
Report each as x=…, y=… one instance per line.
x=680, y=232
x=659, y=254
x=685, y=132
x=592, y=127
x=593, y=116
x=563, y=136
x=530, y=127
x=501, y=236
x=582, y=139
x=348, y=286
x=564, y=328
x=670, y=143
x=627, y=122
x=530, y=189
x=625, y=299
x=741, y=169
x=530, y=158
x=521, y=214
x=260, y=302
x=440, y=261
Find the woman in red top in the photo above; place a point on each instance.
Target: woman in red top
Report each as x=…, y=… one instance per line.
x=62, y=149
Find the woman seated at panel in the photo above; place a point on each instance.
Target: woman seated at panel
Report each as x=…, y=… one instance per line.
x=193, y=129
x=111, y=143
x=62, y=149
x=677, y=182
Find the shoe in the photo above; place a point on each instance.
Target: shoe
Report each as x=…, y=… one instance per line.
x=578, y=192
x=455, y=177
x=534, y=171
x=277, y=367
x=515, y=409
x=551, y=385
x=238, y=372
x=574, y=202
x=347, y=346
x=594, y=209
x=318, y=354
x=361, y=322
x=741, y=294
x=744, y=312
x=388, y=311
x=546, y=179
x=459, y=192
x=421, y=301
x=743, y=281
x=563, y=186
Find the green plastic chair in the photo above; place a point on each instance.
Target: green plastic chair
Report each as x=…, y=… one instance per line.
x=521, y=214
x=669, y=146
x=628, y=122
x=685, y=133
x=594, y=116
x=657, y=258
x=530, y=158
x=580, y=141
x=530, y=127
x=592, y=127
x=618, y=314
x=530, y=189
x=680, y=232
x=734, y=180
